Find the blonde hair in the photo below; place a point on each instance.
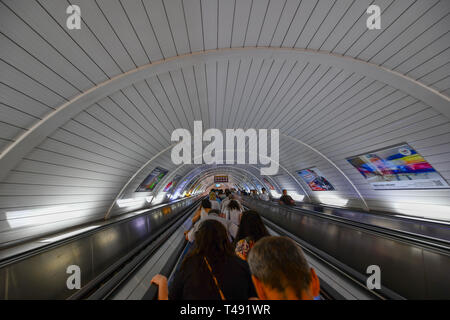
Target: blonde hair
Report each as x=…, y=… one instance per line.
x=212, y=196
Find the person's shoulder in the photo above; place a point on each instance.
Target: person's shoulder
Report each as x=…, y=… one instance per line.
x=242, y=264
x=218, y=218
x=190, y=264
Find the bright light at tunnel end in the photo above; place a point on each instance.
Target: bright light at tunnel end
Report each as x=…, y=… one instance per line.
x=131, y=202
x=297, y=197
x=420, y=211
x=68, y=234
x=332, y=199
x=159, y=198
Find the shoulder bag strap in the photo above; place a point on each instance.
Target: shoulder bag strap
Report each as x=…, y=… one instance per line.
x=214, y=278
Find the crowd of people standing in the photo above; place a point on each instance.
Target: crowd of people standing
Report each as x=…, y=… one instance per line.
x=233, y=257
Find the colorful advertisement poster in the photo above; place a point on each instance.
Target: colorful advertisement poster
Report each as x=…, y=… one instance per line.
x=257, y=184
x=399, y=167
x=152, y=180
x=315, y=180
x=271, y=187
x=172, y=183
x=182, y=185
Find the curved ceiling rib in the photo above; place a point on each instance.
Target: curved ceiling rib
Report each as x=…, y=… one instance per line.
x=196, y=176
x=334, y=165
x=42, y=129
x=195, y=180
x=222, y=150
x=204, y=173
x=132, y=178
x=278, y=163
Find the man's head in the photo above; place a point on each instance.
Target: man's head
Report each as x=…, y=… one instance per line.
x=284, y=192
x=206, y=204
x=280, y=271
x=263, y=190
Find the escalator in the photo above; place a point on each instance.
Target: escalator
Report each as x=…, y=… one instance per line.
x=105, y=256
x=335, y=283
x=412, y=266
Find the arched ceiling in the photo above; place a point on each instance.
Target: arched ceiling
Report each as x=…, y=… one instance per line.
x=87, y=114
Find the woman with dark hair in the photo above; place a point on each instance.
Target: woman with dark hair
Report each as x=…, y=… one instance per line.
x=202, y=211
x=251, y=229
x=210, y=271
x=233, y=212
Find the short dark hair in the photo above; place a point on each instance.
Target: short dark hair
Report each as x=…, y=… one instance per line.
x=206, y=204
x=280, y=263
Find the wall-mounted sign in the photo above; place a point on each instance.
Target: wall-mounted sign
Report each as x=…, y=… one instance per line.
x=399, y=167
x=172, y=183
x=271, y=187
x=315, y=180
x=152, y=180
x=257, y=184
x=220, y=179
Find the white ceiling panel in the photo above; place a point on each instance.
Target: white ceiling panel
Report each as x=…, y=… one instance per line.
x=324, y=94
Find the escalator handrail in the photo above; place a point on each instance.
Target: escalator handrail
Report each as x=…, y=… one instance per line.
x=442, y=246
x=47, y=247
x=123, y=268
x=346, y=271
x=167, y=270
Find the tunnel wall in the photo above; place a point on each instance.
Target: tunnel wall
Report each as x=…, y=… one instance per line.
x=323, y=79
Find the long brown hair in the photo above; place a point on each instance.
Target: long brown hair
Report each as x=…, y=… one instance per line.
x=251, y=226
x=211, y=241
x=233, y=205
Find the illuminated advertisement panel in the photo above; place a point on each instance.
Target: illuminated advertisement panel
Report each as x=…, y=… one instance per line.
x=257, y=184
x=194, y=188
x=245, y=186
x=197, y=188
x=220, y=179
x=152, y=180
x=315, y=180
x=172, y=183
x=271, y=187
x=399, y=167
